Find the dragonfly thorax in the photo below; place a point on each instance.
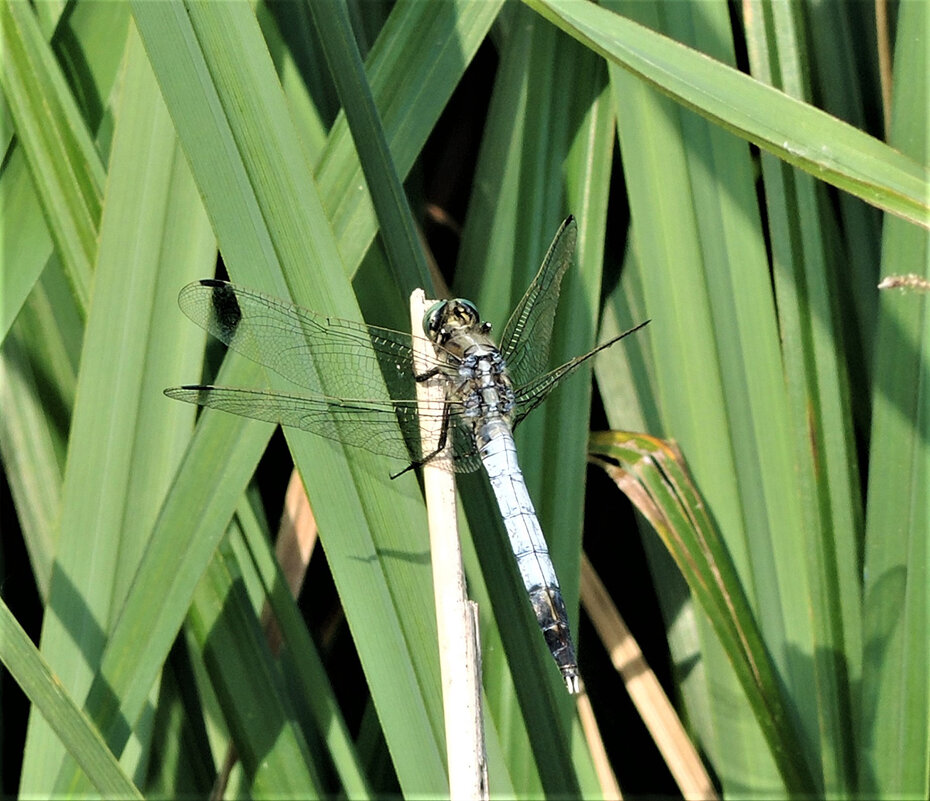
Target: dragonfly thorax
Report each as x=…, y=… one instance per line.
x=477, y=376
x=484, y=385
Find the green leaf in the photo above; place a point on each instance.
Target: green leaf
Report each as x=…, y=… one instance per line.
x=263, y=724
x=896, y=604
x=46, y=692
x=27, y=244
x=93, y=48
x=65, y=167
x=412, y=69
x=846, y=157
x=818, y=399
x=38, y=366
x=251, y=170
x=305, y=666
x=654, y=476
x=721, y=383
x=387, y=193
x=217, y=466
x=121, y=426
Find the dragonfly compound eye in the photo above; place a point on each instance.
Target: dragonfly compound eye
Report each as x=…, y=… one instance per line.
x=432, y=320
x=448, y=316
x=466, y=311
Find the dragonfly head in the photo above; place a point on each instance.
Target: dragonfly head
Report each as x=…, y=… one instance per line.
x=446, y=317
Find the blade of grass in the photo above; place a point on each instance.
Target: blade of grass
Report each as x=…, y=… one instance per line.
x=120, y=426
x=263, y=724
x=180, y=762
x=627, y=383
x=387, y=193
x=719, y=373
x=588, y=165
x=644, y=688
x=31, y=454
x=413, y=67
x=65, y=167
x=288, y=33
x=39, y=386
x=896, y=683
x=260, y=177
x=37, y=383
x=625, y=378
x=845, y=76
x=90, y=51
x=26, y=245
x=46, y=692
x=653, y=475
x=824, y=450
x=309, y=671
x=852, y=161
x=190, y=525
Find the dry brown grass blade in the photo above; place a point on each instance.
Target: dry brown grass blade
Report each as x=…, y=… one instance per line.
x=644, y=688
x=654, y=475
x=297, y=537
x=610, y=787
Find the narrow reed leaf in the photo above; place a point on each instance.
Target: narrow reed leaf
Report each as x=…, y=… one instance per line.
x=46, y=692
x=63, y=161
x=652, y=473
x=847, y=158
x=387, y=193
x=125, y=441
x=896, y=595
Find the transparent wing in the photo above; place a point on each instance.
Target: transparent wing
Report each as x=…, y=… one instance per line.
x=530, y=395
x=339, y=360
x=526, y=337
x=335, y=358
x=388, y=427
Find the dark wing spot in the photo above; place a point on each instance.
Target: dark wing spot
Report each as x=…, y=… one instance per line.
x=226, y=311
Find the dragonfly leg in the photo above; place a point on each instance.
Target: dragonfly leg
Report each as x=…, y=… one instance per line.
x=440, y=447
x=408, y=467
x=431, y=373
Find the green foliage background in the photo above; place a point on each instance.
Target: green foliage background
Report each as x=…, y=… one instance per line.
x=143, y=138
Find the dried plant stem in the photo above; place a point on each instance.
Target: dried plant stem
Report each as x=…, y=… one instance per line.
x=459, y=654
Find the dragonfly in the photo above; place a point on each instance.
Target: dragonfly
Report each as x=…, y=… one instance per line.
x=362, y=378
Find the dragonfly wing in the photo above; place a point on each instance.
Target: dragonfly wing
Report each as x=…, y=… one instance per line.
x=530, y=395
x=389, y=427
x=331, y=356
x=527, y=336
